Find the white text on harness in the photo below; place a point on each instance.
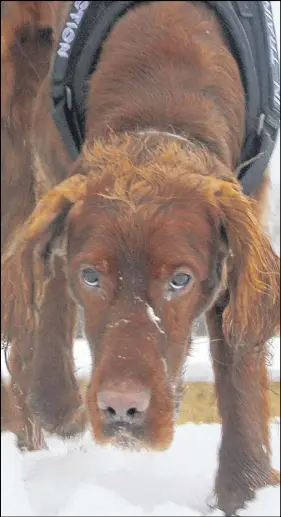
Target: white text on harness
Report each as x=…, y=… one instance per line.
x=68, y=33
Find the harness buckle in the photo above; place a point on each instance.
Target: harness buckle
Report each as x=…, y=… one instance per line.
x=68, y=98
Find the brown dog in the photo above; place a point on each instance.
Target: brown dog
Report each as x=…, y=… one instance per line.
x=145, y=231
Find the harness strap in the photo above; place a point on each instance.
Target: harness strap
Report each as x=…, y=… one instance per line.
x=250, y=28
x=86, y=27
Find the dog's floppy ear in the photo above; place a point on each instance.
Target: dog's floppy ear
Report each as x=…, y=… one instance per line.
x=24, y=262
x=253, y=313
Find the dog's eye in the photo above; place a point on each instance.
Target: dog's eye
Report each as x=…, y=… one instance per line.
x=179, y=281
x=90, y=276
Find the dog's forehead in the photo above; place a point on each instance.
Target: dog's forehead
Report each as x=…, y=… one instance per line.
x=153, y=215
x=166, y=232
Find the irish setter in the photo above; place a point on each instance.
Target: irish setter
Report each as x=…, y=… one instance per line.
x=146, y=230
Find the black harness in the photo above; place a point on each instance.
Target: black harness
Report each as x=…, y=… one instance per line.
x=250, y=29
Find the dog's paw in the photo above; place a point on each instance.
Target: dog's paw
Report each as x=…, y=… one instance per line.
x=31, y=438
x=231, y=500
x=64, y=416
x=237, y=485
x=73, y=424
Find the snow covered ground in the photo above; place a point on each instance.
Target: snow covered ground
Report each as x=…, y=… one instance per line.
x=80, y=478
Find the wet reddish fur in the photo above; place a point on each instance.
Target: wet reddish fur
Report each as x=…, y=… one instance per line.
x=161, y=203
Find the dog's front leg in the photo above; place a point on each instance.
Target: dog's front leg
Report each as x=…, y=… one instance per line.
x=241, y=386
x=54, y=395
x=16, y=415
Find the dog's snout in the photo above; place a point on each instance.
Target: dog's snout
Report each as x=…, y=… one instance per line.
x=124, y=404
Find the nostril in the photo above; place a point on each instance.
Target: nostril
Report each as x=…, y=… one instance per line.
x=110, y=411
x=132, y=412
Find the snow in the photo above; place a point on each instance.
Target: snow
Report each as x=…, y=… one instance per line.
x=11, y=480
x=199, y=367
x=77, y=477
x=155, y=319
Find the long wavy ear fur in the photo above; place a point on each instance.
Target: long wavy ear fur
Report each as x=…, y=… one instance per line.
x=23, y=270
x=253, y=314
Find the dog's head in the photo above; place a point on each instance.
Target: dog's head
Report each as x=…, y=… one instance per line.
x=149, y=244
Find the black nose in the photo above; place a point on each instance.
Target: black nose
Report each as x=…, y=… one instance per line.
x=123, y=404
